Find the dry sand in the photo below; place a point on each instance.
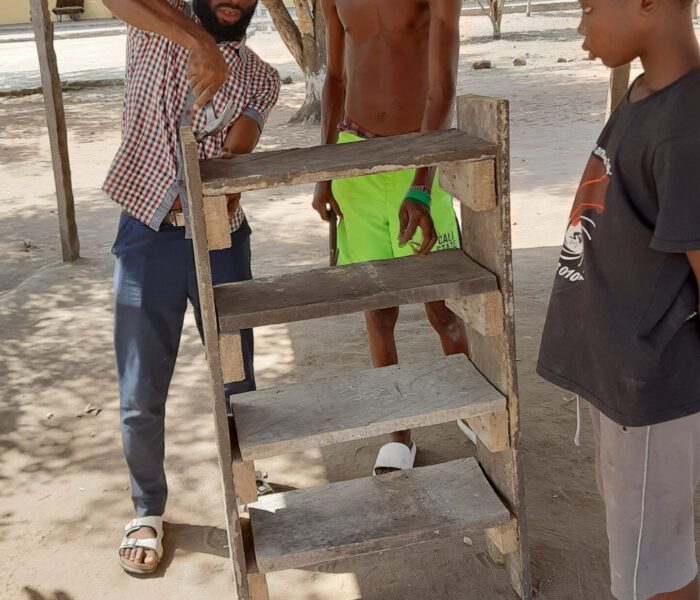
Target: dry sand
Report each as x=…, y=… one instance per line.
x=64, y=486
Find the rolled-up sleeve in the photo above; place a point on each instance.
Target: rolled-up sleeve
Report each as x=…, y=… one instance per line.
x=266, y=85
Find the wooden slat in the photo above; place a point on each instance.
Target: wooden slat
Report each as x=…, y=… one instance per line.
x=349, y=289
x=56, y=121
x=211, y=344
x=320, y=163
x=349, y=518
x=483, y=312
x=504, y=537
x=486, y=239
x=491, y=430
x=232, y=366
x=472, y=183
x=368, y=403
x=217, y=222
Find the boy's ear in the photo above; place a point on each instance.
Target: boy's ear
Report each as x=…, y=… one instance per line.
x=648, y=7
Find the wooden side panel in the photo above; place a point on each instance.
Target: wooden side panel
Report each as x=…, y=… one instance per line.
x=211, y=342
x=217, y=222
x=483, y=312
x=56, y=121
x=486, y=239
x=472, y=183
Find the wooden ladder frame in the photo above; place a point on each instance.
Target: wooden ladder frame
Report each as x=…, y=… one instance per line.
x=483, y=188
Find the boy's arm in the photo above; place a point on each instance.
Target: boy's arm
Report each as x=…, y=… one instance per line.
x=332, y=102
x=206, y=70
x=443, y=55
x=694, y=258
x=241, y=139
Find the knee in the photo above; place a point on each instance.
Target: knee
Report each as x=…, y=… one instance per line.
x=383, y=319
x=442, y=318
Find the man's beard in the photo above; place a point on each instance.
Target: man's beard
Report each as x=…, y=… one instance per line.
x=222, y=32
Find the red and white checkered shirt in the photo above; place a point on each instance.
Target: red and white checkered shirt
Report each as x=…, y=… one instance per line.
x=145, y=177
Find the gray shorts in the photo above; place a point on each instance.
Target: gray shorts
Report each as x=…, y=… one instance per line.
x=647, y=477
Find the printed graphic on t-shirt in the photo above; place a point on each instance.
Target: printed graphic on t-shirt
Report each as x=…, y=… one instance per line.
x=589, y=201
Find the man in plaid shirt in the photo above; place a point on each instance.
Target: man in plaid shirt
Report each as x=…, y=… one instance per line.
x=180, y=57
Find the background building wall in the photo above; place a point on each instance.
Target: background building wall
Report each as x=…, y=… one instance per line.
x=17, y=11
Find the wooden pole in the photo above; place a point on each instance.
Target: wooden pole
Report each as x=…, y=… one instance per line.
x=56, y=122
x=619, y=82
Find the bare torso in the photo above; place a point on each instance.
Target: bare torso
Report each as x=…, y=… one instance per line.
x=386, y=59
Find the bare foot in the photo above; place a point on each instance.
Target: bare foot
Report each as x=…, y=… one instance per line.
x=140, y=556
x=402, y=437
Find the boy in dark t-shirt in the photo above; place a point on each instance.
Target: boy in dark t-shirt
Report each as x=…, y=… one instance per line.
x=622, y=328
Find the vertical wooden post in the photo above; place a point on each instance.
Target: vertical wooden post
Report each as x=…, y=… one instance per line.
x=486, y=239
x=619, y=82
x=56, y=121
x=211, y=343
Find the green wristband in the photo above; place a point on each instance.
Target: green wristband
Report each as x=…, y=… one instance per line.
x=419, y=195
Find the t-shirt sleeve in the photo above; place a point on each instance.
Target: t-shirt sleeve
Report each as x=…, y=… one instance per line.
x=266, y=84
x=676, y=171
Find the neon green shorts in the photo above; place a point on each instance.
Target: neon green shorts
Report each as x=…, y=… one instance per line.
x=369, y=229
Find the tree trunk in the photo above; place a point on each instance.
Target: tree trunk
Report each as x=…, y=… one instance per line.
x=307, y=43
x=496, y=16
x=311, y=109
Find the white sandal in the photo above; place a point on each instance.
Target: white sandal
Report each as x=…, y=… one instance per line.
x=395, y=455
x=155, y=544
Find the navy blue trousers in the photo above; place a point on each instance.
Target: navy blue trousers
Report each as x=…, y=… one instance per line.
x=154, y=278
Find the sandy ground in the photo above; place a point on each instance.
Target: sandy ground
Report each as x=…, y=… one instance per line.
x=64, y=486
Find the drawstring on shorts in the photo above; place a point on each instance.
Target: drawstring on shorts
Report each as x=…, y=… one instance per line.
x=577, y=435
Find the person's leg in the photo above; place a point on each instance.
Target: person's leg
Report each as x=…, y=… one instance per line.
x=229, y=265
x=689, y=592
x=648, y=477
x=150, y=302
x=450, y=328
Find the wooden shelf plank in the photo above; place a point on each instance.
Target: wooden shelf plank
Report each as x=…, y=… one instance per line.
x=320, y=163
x=306, y=527
x=348, y=289
x=368, y=403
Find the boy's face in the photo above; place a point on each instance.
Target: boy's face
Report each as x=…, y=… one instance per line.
x=614, y=30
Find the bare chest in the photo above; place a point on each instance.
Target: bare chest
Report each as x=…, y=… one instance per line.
x=367, y=20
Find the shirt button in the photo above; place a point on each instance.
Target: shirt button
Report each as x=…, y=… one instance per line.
x=188, y=113
x=180, y=182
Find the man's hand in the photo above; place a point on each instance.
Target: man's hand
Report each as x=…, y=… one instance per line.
x=207, y=71
x=413, y=215
x=324, y=203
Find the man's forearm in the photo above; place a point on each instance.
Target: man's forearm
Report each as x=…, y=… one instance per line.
x=332, y=109
x=160, y=17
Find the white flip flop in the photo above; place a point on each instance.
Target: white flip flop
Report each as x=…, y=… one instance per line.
x=155, y=544
x=395, y=455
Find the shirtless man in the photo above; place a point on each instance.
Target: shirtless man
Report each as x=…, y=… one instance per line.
x=392, y=67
